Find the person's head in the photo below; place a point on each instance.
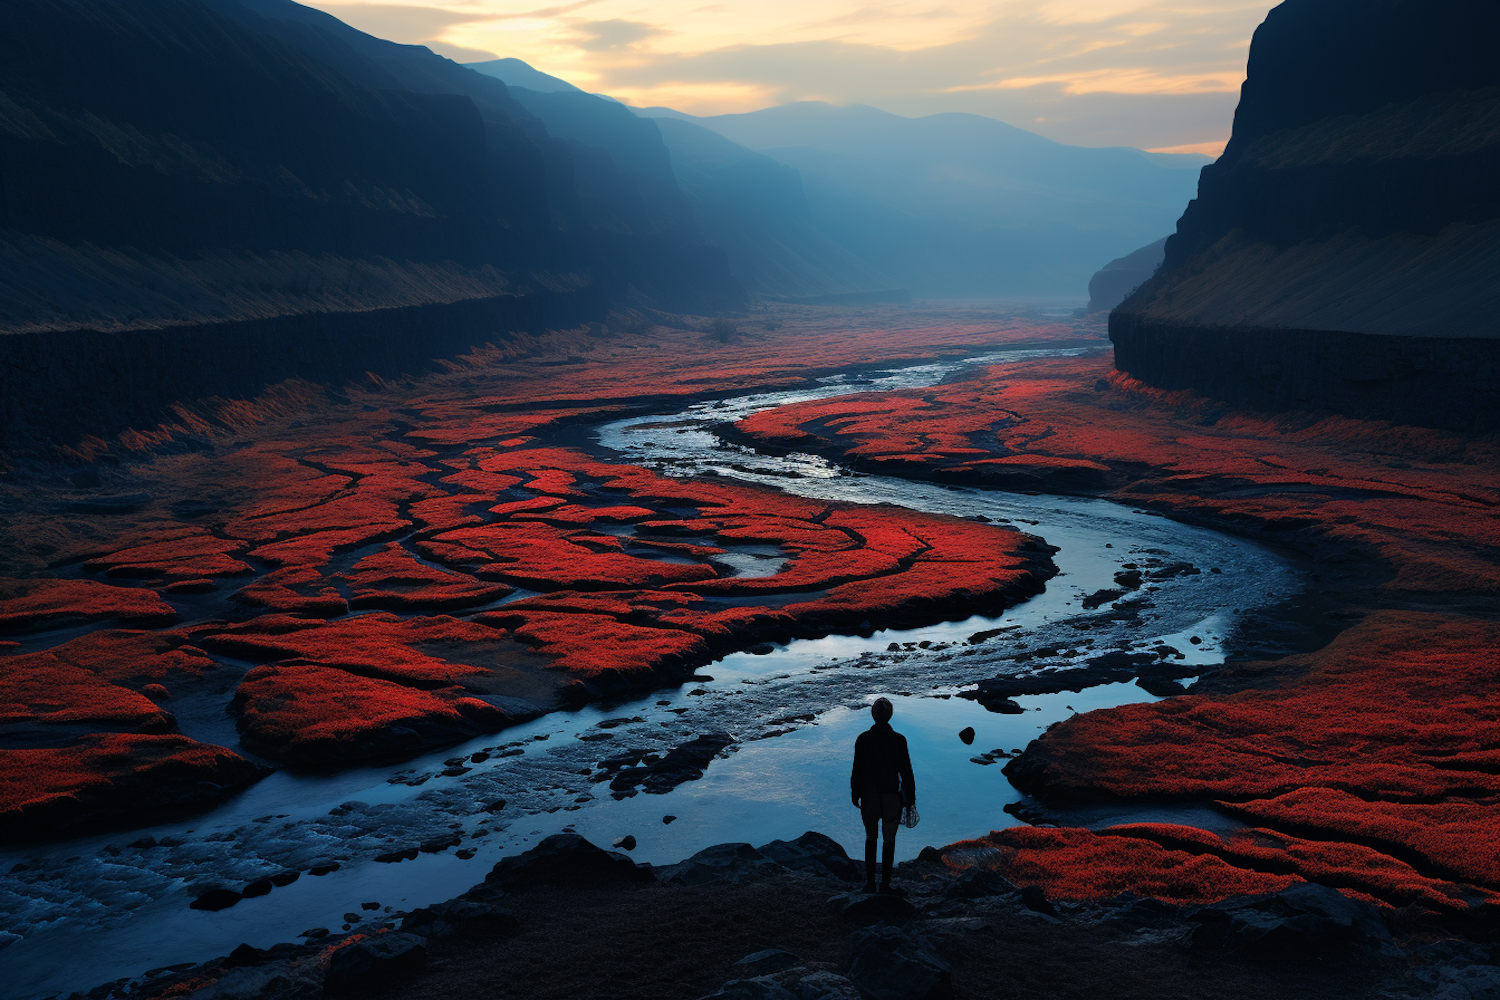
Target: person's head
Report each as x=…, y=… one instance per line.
x=881, y=710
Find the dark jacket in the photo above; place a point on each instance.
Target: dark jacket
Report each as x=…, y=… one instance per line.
x=882, y=764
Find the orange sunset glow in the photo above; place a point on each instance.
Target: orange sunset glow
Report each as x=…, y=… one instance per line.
x=1159, y=74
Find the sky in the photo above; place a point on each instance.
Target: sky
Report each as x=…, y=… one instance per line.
x=1157, y=74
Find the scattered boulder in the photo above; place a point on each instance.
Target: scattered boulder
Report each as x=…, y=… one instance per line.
x=215, y=899
x=439, y=844
x=1035, y=899
x=815, y=854
x=444, y=919
x=1304, y=917
x=889, y=965
x=966, y=735
x=880, y=908
x=566, y=856
x=1470, y=982
x=826, y=986
x=625, y=843
x=260, y=887
x=1134, y=913
x=678, y=765
x=369, y=963
x=977, y=883
x=720, y=863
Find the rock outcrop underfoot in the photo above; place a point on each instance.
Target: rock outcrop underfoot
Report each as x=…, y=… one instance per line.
x=787, y=921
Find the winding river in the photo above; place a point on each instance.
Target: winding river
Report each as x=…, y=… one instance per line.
x=76, y=914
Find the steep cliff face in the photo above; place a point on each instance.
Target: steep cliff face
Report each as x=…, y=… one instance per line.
x=1344, y=253
x=190, y=161
x=216, y=181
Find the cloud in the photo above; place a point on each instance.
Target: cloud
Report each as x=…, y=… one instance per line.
x=1149, y=73
x=458, y=53
x=400, y=23
x=605, y=36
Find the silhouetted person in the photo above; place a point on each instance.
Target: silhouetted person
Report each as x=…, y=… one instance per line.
x=880, y=786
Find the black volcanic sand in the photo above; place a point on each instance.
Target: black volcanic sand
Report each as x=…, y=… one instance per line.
x=595, y=926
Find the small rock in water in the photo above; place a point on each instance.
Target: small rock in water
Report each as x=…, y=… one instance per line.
x=315, y=933
x=625, y=843
x=967, y=735
x=285, y=878
x=437, y=844
x=761, y=648
x=369, y=906
x=323, y=869
x=260, y=887
x=216, y=899
x=668, y=819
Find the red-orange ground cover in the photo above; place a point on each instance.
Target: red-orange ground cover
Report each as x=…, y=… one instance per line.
x=1187, y=865
x=46, y=601
x=441, y=495
x=1423, y=502
x=1382, y=746
x=114, y=776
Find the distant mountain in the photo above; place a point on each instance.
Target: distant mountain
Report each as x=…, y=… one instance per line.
x=745, y=202
x=962, y=205
x=1344, y=253
x=756, y=209
x=515, y=73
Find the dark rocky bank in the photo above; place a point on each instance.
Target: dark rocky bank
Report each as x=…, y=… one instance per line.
x=1344, y=252
x=786, y=920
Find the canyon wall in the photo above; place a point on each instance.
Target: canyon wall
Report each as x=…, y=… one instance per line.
x=1344, y=252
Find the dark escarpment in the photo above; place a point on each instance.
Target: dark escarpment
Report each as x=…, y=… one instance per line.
x=1344, y=253
x=247, y=191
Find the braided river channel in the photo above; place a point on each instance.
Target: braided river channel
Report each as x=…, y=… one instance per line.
x=91, y=910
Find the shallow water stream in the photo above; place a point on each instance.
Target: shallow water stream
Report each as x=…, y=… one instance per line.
x=92, y=910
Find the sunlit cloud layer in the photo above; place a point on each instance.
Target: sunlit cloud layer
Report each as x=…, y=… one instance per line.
x=1159, y=74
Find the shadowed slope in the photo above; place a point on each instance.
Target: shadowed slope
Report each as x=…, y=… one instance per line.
x=1344, y=253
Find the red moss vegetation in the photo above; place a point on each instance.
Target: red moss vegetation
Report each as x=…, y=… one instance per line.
x=45, y=601
x=1079, y=864
x=1187, y=865
x=434, y=496
x=312, y=714
x=44, y=792
x=1390, y=724
x=1422, y=502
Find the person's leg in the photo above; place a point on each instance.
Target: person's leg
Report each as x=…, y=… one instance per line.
x=891, y=821
x=872, y=823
